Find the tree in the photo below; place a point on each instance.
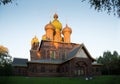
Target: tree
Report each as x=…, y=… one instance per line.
x=5, y=61
x=106, y=5
x=5, y=1
x=111, y=62
x=5, y=58
x=105, y=60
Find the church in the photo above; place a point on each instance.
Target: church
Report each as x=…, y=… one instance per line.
x=56, y=56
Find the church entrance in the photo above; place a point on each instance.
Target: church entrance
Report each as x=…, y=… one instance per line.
x=80, y=69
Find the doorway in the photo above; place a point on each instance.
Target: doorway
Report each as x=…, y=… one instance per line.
x=80, y=69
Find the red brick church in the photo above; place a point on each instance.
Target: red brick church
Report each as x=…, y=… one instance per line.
x=55, y=55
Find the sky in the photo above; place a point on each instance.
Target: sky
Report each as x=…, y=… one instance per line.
x=23, y=19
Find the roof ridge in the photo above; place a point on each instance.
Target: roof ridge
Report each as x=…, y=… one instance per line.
x=73, y=52
x=19, y=58
x=75, y=47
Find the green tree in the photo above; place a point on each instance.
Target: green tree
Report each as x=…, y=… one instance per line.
x=110, y=62
x=5, y=58
x=5, y=1
x=110, y=6
x=5, y=61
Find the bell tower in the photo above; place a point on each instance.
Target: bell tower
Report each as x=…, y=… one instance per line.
x=34, y=43
x=34, y=48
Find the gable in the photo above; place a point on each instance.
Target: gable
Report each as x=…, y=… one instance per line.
x=81, y=53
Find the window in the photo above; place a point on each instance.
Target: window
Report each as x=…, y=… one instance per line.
x=52, y=55
x=63, y=55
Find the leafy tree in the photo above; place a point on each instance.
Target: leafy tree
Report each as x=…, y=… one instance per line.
x=5, y=1
x=5, y=58
x=5, y=61
x=111, y=62
x=106, y=5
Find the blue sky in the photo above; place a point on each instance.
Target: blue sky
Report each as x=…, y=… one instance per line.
x=20, y=23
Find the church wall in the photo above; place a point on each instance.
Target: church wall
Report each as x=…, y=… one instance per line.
x=38, y=69
x=20, y=70
x=33, y=55
x=58, y=48
x=64, y=70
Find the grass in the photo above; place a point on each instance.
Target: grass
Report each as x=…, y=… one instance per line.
x=59, y=80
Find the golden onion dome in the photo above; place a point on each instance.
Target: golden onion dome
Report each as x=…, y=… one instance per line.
x=49, y=26
x=66, y=29
x=44, y=37
x=34, y=40
x=56, y=23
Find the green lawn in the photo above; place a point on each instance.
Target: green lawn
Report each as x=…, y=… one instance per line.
x=60, y=80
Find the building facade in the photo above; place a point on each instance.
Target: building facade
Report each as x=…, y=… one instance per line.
x=55, y=55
